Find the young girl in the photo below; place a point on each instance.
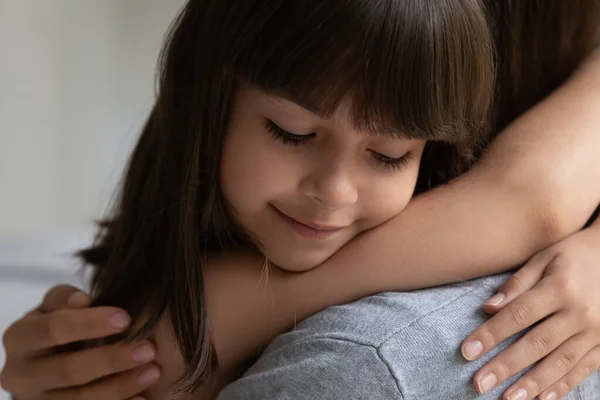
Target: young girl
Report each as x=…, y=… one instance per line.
x=289, y=128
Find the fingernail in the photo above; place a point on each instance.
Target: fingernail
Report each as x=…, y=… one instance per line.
x=119, y=320
x=471, y=350
x=487, y=382
x=77, y=298
x=149, y=376
x=143, y=354
x=519, y=394
x=496, y=300
x=550, y=396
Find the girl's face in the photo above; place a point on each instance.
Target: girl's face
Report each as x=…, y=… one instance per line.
x=304, y=185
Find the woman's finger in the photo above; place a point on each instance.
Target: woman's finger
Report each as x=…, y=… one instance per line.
x=519, y=314
x=118, y=387
x=520, y=282
x=532, y=347
x=582, y=370
x=60, y=297
x=552, y=368
x=35, y=333
x=82, y=367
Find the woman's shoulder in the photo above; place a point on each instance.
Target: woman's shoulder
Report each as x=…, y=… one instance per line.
x=416, y=335
x=375, y=319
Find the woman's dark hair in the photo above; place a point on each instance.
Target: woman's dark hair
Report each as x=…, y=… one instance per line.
x=422, y=69
x=540, y=43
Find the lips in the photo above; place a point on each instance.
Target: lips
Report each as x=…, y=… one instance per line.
x=310, y=229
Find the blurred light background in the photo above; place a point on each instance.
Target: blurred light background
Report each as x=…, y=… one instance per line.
x=76, y=83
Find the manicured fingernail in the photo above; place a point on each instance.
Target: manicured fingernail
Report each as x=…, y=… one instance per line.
x=143, y=354
x=472, y=349
x=149, y=376
x=550, y=396
x=496, y=300
x=77, y=298
x=519, y=394
x=487, y=382
x=119, y=320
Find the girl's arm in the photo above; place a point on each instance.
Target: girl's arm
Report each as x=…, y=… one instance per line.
x=538, y=182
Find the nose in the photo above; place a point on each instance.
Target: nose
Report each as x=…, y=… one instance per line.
x=331, y=185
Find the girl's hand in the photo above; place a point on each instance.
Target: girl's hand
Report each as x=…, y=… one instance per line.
x=35, y=370
x=558, y=286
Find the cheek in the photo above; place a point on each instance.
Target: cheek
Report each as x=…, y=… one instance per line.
x=252, y=172
x=388, y=197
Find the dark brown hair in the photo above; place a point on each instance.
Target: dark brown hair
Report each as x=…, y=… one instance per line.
x=414, y=68
x=540, y=43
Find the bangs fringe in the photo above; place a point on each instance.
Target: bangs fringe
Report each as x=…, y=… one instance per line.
x=412, y=68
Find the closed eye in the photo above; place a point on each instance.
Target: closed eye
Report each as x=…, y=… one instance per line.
x=286, y=137
x=292, y=139
x=393, y=163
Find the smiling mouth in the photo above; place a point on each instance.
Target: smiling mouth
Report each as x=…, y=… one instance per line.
x=313, y=231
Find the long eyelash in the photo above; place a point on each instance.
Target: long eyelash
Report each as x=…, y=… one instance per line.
x=285, y=136
x=393, y=163
x=292, y=139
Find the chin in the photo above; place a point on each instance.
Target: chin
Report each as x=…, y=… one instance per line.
x=299, y=262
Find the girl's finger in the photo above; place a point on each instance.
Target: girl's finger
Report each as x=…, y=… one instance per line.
x=553, y=368
x=117, y=387
x=82, y=367
x=535, y=345
x=520, y=282
x=582, y=370
x=519, y=314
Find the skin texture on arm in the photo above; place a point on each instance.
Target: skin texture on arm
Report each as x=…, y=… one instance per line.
x=537, y=183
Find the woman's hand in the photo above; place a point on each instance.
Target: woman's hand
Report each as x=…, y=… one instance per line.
x=35, y=370
x=558, y=286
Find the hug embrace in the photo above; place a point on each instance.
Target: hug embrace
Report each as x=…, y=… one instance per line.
x=346, y=199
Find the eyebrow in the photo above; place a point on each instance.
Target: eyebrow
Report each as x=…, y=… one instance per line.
x=283, y=95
